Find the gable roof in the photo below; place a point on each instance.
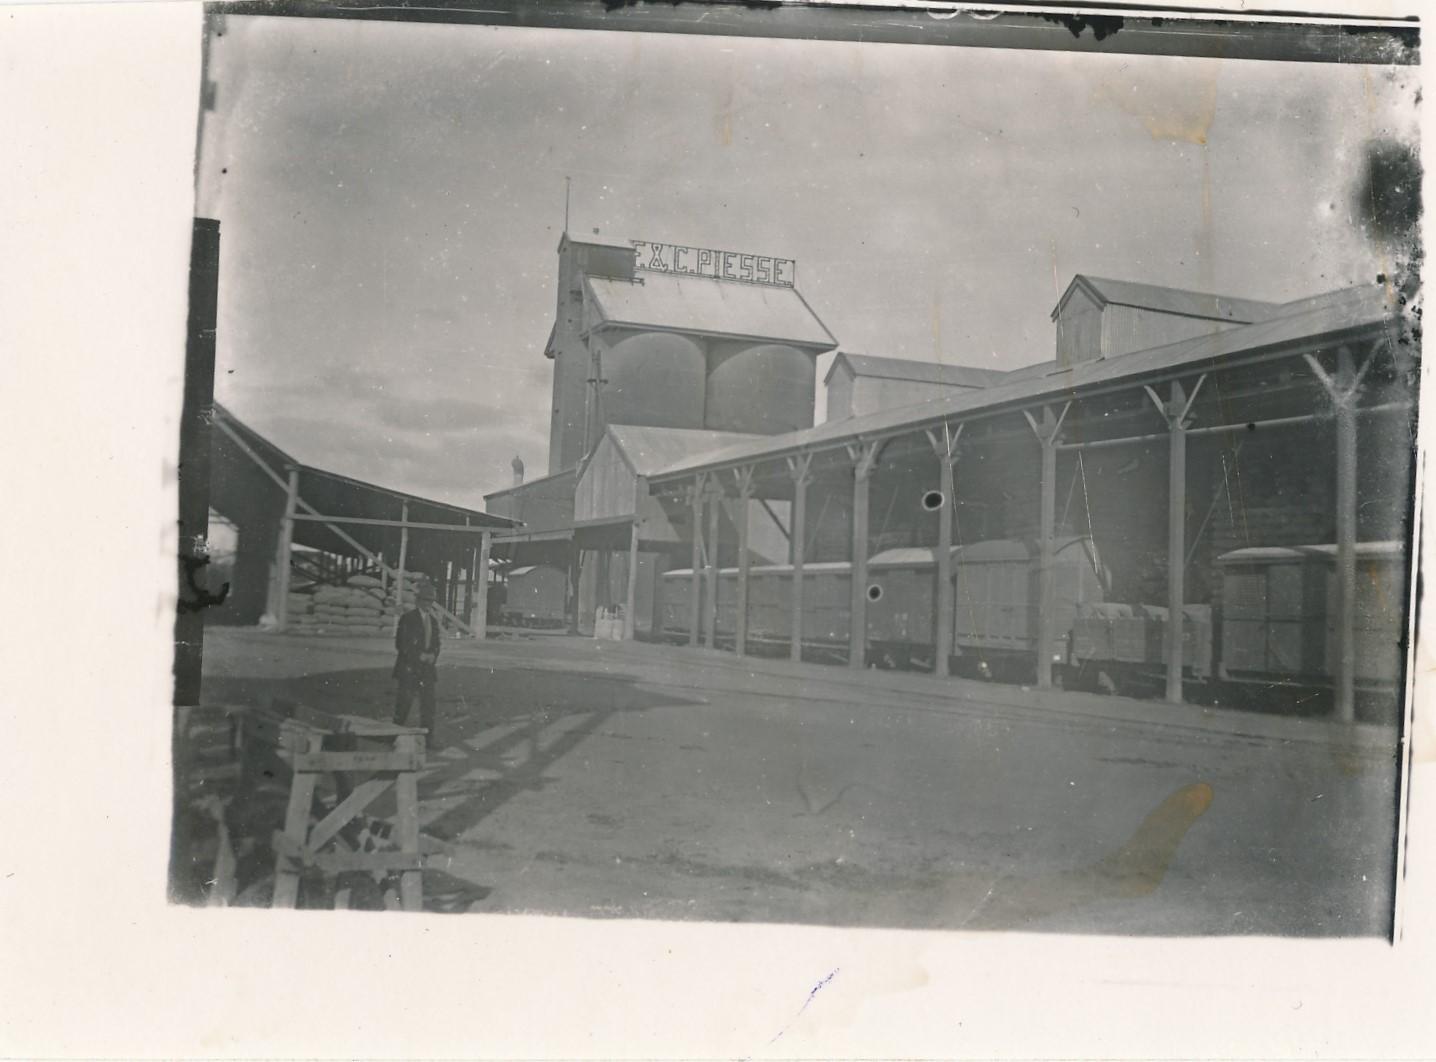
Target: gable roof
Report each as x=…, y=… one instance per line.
x=710, y=307
x=651, y=450
x=916, y=371
x=1179, y=301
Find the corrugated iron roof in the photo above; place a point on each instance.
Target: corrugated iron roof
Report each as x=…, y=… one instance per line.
x=916, y=371
x=651, y=450
x=1337, y=311
x=713, y=307
x=1170, y=300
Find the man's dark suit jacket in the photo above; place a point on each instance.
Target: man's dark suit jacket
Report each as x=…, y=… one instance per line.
x=409, y=640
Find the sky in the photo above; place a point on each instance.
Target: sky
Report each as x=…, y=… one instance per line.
x=391, y=197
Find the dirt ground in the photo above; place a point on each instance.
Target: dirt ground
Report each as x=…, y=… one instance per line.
x=604, y=779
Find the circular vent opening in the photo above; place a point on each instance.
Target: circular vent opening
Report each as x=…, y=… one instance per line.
x=932, y=500
x=875, y=592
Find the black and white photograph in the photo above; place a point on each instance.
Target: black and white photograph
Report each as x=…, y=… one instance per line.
x=623, y=529
x=743, y=479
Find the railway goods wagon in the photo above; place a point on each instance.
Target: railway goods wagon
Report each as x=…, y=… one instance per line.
x=998, y=595
x=995, y=593
x=537, y=596
x=1279, y=614
x=770, y=600
x=902, y=590
x=1127, y=643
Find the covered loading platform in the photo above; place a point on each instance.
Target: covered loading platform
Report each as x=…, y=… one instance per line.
x=1318, y=373
x=340, y=525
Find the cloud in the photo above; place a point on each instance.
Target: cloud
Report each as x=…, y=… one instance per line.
x=388, y=265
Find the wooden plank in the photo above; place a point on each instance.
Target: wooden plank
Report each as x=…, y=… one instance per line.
x=296, y=824
x=362, y=726
x=356, y=761
x=416, y=525
x=411, y=884
x=361, y=797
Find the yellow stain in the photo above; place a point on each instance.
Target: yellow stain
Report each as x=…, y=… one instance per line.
x=1184, y=116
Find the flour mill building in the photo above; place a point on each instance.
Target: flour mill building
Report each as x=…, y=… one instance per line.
x=1188, y=494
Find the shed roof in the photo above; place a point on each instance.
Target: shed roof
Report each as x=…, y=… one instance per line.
x=710, y=307
x=237, y=452
x=916, y=371
x=1347, y=310
x=1168, y=300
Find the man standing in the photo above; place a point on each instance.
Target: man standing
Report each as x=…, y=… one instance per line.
x=418, y=640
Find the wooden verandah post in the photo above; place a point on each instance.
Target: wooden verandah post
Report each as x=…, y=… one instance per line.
x=695, y=612
x=1176, y=411
x=1048, y=432
x=710, y=543
x=630, y=593
x=945, y=446
x=480, y=624
x=282, y=552
x=400, y=581
x=744, y=477
x=1345, y=391
x=800, y=469
x=864, y=457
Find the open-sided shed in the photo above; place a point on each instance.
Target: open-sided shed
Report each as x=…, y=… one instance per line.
x=278, y=503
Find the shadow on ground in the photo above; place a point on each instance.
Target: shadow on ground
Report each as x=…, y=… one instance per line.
x=538, y=716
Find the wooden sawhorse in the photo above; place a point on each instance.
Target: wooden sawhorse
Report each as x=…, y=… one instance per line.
x=367, y=757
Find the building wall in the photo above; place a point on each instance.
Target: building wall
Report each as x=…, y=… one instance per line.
x=606, y=487
x=541, y=505
x=255, y=506
x=840, y=393
x=1079, y=329
x=1126, y=329
x=572, y=364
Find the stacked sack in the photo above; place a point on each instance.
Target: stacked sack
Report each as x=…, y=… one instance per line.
x=360, y=607
x=355, y=608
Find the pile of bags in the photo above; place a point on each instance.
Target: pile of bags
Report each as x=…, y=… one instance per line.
x=358, y=608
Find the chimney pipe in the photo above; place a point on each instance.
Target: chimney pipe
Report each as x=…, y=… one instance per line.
x=518, y=466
